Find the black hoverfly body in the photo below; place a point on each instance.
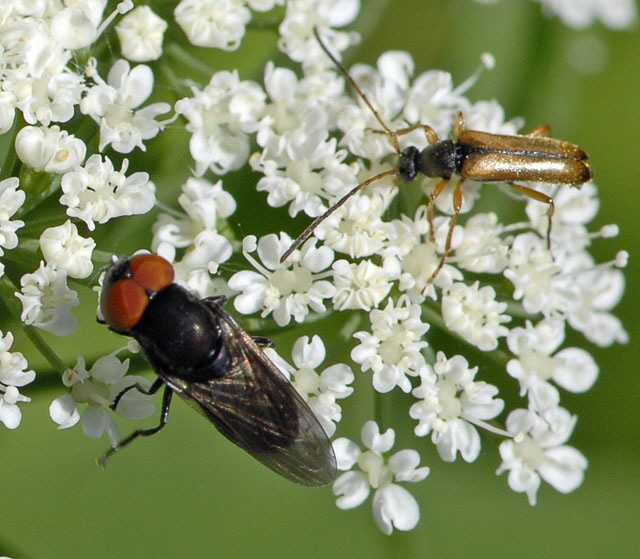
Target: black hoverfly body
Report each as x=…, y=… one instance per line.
x=200, y=352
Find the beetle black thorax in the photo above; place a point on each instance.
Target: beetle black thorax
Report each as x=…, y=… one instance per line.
x=442, y=159
x=180, y=334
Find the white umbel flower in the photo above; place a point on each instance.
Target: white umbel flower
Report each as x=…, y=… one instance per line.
x=64, y=248
x=97, y=388
x=393, y=506
x=474, y=313
x=287, y=293
x=220, y=117
x=96, y=192
x=537, y=451
x=140, y=33
x=47, y=300
x=213, y=23
x=114, y=105
x=49, y=149
x=451, y=405
x=393, y=348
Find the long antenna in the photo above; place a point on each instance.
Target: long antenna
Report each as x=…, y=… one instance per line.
x=358, y=90
x=394, y=140
x=307, y=232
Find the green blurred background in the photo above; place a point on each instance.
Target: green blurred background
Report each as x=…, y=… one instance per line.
x=188, y=493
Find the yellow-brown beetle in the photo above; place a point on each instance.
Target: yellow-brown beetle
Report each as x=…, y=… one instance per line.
x=473, y=155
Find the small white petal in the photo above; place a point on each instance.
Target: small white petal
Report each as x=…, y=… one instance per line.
x=10, y=415
x=394, y=507
x=404, y=465
x=352, y=488
x=346, y=452
x=563, y=468
x=579, y=371
x=94, y=422
x=376, y=441
x=64, y=412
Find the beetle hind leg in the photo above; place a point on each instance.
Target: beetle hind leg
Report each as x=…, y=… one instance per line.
x=540, y=197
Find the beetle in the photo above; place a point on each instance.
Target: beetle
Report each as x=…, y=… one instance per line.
x=201, y=353
x=473, y=155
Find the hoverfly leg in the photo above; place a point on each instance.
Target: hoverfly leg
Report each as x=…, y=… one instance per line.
x=262, y=341
x=217, y=300
x=149, y=392
x=164, y=415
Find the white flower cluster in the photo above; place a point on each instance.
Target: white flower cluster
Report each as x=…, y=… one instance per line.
x=205, y=206
x=369, y=266
x=95, y=389
x=39, y=78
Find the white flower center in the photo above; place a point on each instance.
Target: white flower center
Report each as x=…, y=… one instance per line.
x=530, y=452
x=91, y=392
x=290, y=281
x=117, y=114
x=421, y=261
x=542, y=365
x=449, y=402
x=373, y=465
x=307, y=381
x=391, y=350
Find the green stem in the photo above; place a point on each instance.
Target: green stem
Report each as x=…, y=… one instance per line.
x=379, y=411
x=45, y=349
x=185, y=60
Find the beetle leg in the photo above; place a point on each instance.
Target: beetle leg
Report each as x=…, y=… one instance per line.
x=541, y=197
x=540, y=131
x=458, y=125
x=437, y=190
x=457, y=205
x=430, y=133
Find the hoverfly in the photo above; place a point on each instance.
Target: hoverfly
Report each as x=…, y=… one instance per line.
x=200, y=352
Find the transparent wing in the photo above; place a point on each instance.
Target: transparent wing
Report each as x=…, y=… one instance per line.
x=256, y=407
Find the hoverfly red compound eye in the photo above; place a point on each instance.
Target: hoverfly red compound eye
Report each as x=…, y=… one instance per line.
x=128, y=287
x=151, y=272
x=122, y=303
